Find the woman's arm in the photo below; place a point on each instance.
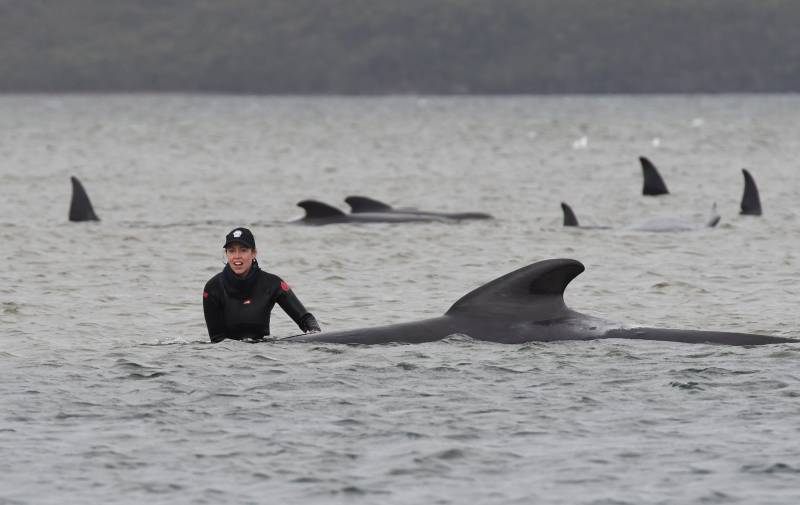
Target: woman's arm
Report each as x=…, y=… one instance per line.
x=215, y=320
x=295, y=309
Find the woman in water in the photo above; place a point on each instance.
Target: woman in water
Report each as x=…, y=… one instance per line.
x=237, y=301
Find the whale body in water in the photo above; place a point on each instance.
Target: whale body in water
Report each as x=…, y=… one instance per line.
x=654, y=185
x=750, y=205
x=319, y=213
x=526, y=305
x=662, y=224
x=363, y=204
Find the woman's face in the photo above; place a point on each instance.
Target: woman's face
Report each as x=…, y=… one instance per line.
x=240, y=258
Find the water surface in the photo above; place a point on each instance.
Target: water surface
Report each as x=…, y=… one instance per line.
x=111, y=393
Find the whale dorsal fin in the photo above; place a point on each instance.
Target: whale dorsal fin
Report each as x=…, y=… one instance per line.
x=653, y=183
x=751, y=203
x=80, y=208
x=319, y=210
x=364, y=204
x=535, y=291
x=569, y=216
x=713, y=217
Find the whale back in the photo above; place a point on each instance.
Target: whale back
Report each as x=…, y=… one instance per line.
x=80, y=208
x=360, y=204
x=653, y=183
x=751, y=203
x=318, y=210
x=532, y=292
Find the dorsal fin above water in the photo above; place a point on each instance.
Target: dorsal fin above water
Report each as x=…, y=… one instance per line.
x=365, y=204
x=80, y=208
x=751, y=203
x=653, y=183
x=713, y=217
x=520, y=293
x=318, y=210
x=569, y=217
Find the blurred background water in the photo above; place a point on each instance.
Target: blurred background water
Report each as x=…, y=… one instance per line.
x=111, y=393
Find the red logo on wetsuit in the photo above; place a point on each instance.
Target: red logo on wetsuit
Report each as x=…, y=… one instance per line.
x=205, y=295
x=284, y=286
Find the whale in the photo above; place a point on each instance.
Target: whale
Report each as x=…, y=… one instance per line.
x=751, y=202
x=80, y=208
x=660, y=224
x=364, y=204
x=526, y=305
x=653, y=183
x=570, y=219
x=320, y=213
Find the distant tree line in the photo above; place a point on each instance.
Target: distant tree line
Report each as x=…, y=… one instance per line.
x=401, y=46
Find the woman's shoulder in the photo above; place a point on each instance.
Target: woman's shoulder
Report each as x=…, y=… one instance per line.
x=270, y=277
x=213, y=282
x=275, y=282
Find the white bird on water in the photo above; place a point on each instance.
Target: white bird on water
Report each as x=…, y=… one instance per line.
x=581, y=143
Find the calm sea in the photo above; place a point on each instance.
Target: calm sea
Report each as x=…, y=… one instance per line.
x=111, y=394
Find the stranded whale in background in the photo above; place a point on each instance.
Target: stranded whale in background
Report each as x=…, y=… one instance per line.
x=750, y=205
x=318, y=213
x=80, y=208
x=526, y=305
x=363, y=204
x=666, y=224
x=654, y=185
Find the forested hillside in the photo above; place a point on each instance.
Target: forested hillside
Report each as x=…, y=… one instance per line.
x=400, y=46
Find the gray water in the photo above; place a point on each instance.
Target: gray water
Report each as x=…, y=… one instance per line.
x=111, y=394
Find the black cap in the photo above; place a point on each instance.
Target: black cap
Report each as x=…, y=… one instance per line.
x=241, y=235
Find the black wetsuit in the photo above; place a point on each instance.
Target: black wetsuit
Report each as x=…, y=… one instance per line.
x=239, y=308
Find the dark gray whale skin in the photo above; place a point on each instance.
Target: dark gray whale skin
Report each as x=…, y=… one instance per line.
x=653, y=184
x=319, y=213
x=363, y=204
x=80, y=208
x=751, y=202
x=526, y=305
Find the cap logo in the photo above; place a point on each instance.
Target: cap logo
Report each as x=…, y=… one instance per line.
x=237, y=233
